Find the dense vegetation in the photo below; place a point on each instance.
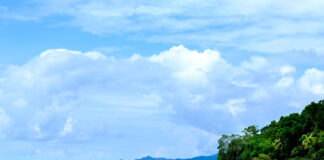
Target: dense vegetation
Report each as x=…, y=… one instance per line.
x=297, y=136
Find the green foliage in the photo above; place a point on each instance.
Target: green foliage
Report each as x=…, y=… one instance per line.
x=230, y=147
x=262, y=157
x=250, y=131
x=308, y=140
x=296, y=136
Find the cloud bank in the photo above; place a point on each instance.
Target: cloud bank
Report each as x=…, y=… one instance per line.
x=261, y=26
x=68, y=104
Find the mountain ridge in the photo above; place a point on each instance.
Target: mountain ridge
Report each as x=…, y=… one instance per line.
x=211, y=157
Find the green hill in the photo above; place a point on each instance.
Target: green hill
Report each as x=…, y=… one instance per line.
x=294, y=137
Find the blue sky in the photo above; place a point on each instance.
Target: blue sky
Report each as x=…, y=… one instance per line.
x=108, y=79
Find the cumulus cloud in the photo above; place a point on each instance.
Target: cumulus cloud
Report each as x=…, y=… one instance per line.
x=313, y=81
x=189, y=66
x=285, y=82
x=174, y=104
x=287, y=70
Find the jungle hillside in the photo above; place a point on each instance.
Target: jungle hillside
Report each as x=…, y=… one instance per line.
x=293, y=137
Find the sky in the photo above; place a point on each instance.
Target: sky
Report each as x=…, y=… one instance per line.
x=117, y=79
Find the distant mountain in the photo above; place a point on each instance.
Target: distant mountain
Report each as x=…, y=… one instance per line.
x=212, y=157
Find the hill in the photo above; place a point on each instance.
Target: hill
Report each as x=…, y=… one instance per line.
x=293, y=137
x=212, y=157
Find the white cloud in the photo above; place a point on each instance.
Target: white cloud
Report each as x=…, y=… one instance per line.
x=57, y=53
x=95, y=55
x=259, y=95
x=189, y=66
x=285, y=82
x=181, y=58
x=67, y=127
x=4, y=119
x=175, y=103
x=37, y=130
x=313, y=81
x=4, y=122
x=256, y=63
x=20, y=103
x=135, y=57
x=235, y=106
x=285, y=70
x=264, y=25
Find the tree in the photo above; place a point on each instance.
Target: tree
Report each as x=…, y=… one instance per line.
x=230, y=147
x=250, y=131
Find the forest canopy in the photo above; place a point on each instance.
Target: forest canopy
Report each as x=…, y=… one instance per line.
x=294, y=137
